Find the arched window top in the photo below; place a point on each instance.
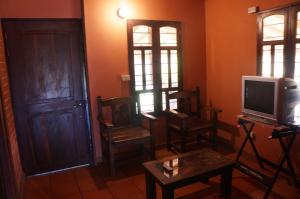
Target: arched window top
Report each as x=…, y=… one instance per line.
x=142, y=35
x=168, y=36
x=273, y=28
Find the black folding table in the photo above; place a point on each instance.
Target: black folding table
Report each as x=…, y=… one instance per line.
x=279, y=132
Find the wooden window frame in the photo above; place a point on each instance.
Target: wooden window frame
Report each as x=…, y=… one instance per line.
x=289, y=42
x=156, y=59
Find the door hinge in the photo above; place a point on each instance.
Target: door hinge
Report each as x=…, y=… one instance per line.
x=5, y=36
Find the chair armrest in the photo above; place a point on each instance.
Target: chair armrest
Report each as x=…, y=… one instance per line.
x=105, y=123
x=177, y=114
x=148, y=116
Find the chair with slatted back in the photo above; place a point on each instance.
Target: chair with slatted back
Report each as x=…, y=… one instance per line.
x=189, y=119
x=120, y=125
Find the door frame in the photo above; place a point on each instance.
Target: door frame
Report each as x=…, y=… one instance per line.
x=86, y=88
x=8, y=187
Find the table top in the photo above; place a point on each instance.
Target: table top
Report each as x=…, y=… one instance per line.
x=277, y=130
x=184, y=166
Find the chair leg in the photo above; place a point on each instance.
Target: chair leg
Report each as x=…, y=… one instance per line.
x=182, y=143
x=105, y=152
x=112, y=161
x=213, y=138
x=152, y=149
x=142, y=151
x=168, y=139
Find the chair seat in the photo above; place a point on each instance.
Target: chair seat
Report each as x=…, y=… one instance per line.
x=192, y=124
x=130, y=134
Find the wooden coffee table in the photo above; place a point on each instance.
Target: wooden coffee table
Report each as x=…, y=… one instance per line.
x=185, y=169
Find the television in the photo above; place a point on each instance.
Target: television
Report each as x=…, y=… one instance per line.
x=270, y=99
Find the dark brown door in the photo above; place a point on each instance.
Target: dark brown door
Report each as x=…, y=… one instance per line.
x=46, y=70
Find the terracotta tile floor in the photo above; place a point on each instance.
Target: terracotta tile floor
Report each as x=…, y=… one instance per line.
x=129, y=183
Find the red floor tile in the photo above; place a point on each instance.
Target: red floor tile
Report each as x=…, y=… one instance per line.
x=37, y=194
x=122, y=188
x=139, y=182
x=129, y=183
x=63, y=189
x=76, y=196
x=97, y=194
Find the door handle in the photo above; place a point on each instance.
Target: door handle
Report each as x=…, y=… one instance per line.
x=79, y=104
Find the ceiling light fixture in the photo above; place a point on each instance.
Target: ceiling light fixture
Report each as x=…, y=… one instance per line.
x=123, y=12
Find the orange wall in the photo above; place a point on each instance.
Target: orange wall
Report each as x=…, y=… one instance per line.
x=231, y=53
x=106, y=36
x=40, y=8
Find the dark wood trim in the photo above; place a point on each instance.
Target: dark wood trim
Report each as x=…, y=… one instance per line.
x=259, y=46
x=279, y=7
x=7, y=177
x=8, y=189
x=87, y=96
x=292, y=40
x=87, y=86
x=180, y=57
x=156, y=62
x=130, y=50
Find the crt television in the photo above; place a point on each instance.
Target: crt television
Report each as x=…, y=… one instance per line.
x=269, y=98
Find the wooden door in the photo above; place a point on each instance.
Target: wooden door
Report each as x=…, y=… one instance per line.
x=46, y=70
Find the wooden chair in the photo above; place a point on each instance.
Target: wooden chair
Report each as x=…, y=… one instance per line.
x=189, y=119
x=120, y=125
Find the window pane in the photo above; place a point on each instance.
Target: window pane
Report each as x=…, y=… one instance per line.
x=297, y=64
x=266, y=61
x=164, y=69
x=138, y=71
x=174, y=80
x=298, y=25
x=278, y=61
x=297, y=113
x=174, y=68
x=173, y=102
x=168, y=36
x=148, y=69
x=147, y=102
x=142, y=36
x=273, y=28
x=164, y=106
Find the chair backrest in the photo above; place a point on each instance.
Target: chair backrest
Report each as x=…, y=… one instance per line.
x=118, y=110
x=187, y=101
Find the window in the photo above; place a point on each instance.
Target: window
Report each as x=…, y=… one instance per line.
x=279, y=44
x=272, y=43
x=154, y=49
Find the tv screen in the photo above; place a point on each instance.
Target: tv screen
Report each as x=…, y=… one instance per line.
x=259, y=96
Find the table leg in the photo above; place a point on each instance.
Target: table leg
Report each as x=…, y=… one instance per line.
x=247, y=131
x=286, y=150
x=226, y=180
x=150, y=186
x=167, y=193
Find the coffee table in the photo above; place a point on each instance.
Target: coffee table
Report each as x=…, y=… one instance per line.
x=181, y=170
